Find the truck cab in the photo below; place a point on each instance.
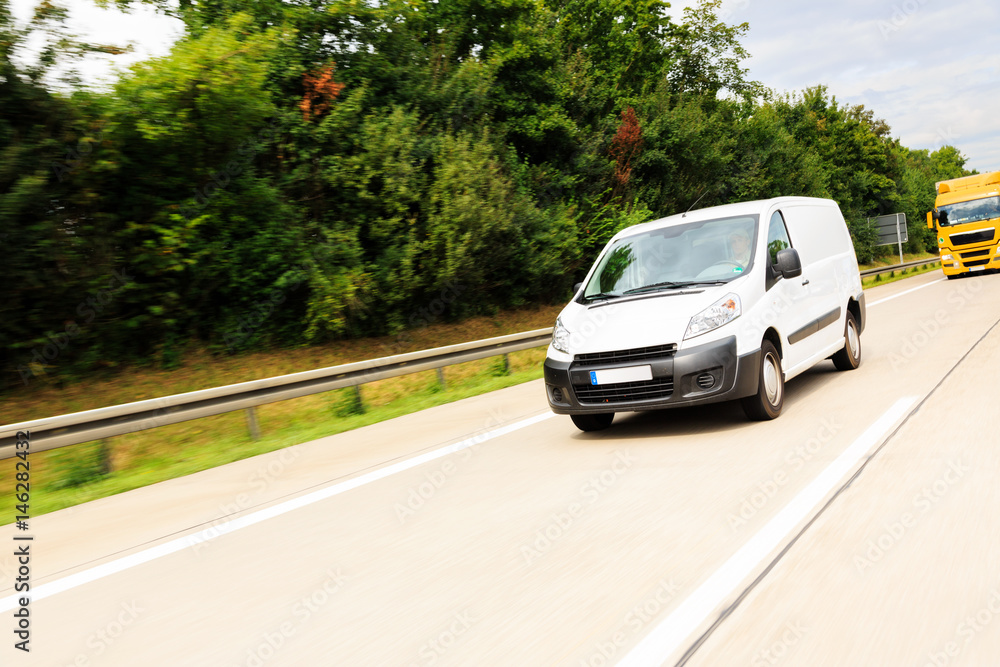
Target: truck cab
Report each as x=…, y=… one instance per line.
x=966, y=217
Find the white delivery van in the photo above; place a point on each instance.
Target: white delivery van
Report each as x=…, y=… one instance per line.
x=711, y=305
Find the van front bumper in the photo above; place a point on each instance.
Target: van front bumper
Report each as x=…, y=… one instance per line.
x=704, y=374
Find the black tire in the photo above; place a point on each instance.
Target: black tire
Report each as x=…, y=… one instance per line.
x=849, y=358
x=766, y=403
x=593, y=422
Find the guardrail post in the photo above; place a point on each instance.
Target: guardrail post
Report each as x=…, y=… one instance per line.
x=357, y=396
x=105, y=454
x=252, y=424
x=506, y=364
x=440, y=373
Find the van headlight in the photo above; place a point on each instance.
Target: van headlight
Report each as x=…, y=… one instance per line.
x=560, y=337
x=723, y=311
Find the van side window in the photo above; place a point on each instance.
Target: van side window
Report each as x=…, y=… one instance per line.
x=777, y=237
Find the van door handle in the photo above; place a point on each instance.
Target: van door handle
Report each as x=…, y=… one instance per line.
x=805, y=282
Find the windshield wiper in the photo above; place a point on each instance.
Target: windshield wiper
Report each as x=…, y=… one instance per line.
x=673, y=285
x=601, y=295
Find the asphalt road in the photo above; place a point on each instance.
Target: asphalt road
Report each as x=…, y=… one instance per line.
x=862, y=527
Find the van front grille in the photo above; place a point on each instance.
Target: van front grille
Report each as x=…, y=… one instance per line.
x=624, y=392
x=625, y=356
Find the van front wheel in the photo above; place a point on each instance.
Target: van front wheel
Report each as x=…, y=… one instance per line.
x=849, y=358
x=766, y=403
x=597, y=422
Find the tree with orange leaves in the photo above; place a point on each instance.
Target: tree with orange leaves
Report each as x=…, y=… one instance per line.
x=320, y=91
x=626, y=145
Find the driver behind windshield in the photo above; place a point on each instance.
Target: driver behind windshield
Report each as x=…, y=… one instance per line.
x=739, y=245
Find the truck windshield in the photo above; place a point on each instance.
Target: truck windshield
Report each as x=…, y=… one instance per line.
x=711, y=251
x=969, y=211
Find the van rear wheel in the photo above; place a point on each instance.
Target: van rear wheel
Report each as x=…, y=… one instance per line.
x=766, y=403
x=593, y=422
x=849, y=358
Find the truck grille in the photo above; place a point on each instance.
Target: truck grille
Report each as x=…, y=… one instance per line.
x=977, y=262
x=976, y=253
x=625, y=356
x=625, y=392
x=965, y=238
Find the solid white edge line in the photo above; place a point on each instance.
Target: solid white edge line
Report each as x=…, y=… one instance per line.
x=890, y=298
x=670, y=634
x=212, y=532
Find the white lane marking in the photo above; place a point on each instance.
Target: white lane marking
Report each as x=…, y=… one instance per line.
x=180, y=543
x=667, y=637
x=890, y=298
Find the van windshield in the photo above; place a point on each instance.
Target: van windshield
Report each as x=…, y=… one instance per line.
x=694, y=253
x=975, y=210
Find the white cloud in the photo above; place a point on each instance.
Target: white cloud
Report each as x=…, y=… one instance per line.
x=928, y=68
x=150, y=34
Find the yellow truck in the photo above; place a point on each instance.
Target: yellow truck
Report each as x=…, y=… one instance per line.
x=966, y=216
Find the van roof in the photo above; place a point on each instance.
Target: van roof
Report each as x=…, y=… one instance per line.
x=758, y=207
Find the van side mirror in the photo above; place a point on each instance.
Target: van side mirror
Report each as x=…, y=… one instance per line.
x=576, y=287
x=789, y=263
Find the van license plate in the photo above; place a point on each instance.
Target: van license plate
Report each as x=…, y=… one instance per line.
x=616, y=375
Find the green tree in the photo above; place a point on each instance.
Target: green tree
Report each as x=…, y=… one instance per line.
x=46, y=142
x=858, y=156
x=708, y=55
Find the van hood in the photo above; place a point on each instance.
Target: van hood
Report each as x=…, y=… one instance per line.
x=641, y=321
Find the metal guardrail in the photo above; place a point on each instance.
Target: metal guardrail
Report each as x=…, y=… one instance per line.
x=897, y=267
x=89, y=425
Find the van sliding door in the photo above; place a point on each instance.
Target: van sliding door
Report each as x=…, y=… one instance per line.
x=813, y=230
x=786, y=302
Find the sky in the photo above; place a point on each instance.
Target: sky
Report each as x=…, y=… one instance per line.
x=149, y=33
x=927, y=67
